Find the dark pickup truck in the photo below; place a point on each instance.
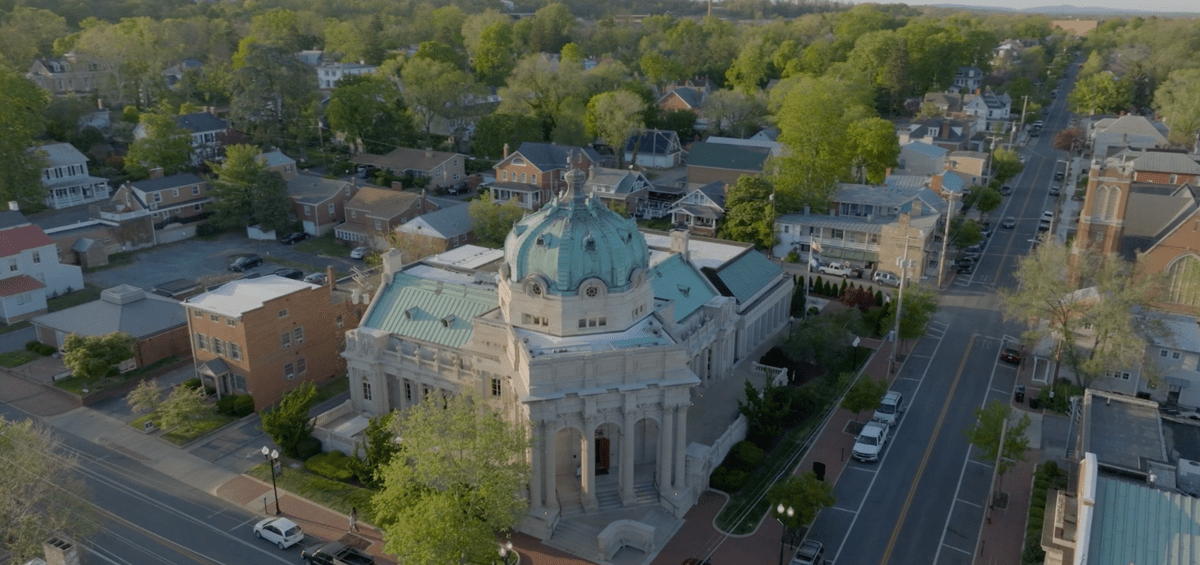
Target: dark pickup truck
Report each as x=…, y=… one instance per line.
x=335, y=553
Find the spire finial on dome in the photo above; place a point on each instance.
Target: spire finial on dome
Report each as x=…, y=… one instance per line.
x=575, y=179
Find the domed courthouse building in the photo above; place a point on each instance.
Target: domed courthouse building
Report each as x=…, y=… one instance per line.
x=599, y=337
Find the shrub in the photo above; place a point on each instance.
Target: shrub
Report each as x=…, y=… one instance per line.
x=775, y=357
x=226, y=404
x=308, y=447
x=191, y=383
x=813, y=311
x=244, y=406
x=333, y=465
x=727, y=480
x=744, y=456
x=40, y=348
x=792, y=257
x=209, y=229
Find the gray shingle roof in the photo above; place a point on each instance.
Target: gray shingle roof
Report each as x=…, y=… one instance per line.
x=275, y=158
x=121, y=308
x=12, y=219
x=1166, y=162
x=548, y=156
x=60, y=154
x=614, y=181
x=173, y=181
x=448, y=222
x=312, y=189
x=654, y=142
x=201, y=122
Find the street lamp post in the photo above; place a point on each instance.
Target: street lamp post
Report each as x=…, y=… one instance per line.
x=272, y=458
x=789, y=535
x=506, y=549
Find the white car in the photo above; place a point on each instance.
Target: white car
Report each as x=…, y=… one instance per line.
x=886, y=278
x=890, y=408
x=359, y=252
x=836, y=269
x=279, y=531
x=870, y=442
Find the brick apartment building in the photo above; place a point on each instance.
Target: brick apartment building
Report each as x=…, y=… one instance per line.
x=268, y=335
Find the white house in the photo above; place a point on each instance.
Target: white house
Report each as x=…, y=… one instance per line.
x=67, y=180
x=328, y=74
x=990, y=106
x=653, y=149
x=206, y=129
x=29, y=269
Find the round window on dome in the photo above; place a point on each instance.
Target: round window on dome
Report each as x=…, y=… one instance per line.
x=592, y=291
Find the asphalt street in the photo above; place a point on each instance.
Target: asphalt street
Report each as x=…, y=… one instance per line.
x=926, y=500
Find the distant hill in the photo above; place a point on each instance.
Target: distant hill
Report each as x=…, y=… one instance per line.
x=1067, y=9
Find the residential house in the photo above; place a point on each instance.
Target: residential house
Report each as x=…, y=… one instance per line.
x=172, y=199
x=950, y=184
x=29, y=269
x=975, y=165
x=1109, y=134
x=534, y=172
x=175, y=73
x=968, y=79
x=328, y=74
x=948, y=103
x=1165, y=167
x=563, y=342
x=653, y=149
x=687, y=95
x=627, y=189
x=442, y=168
x=276, y=161
x=66, y=177
x=874, y=227
x=374, y=212
x=445, y=229
x=72, y=74
x=207, y=130
x=158, y=324
x=172, y=205
x=1168, y=372
x=700, y=208
x=311, y=57
x=268, y=335
x=918, y=158
x=709, y=162
x=994, y=108
x=319, y=203
x=772, y=146
x=947, y=133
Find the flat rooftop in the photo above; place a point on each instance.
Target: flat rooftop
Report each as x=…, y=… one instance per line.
x=1122, y=431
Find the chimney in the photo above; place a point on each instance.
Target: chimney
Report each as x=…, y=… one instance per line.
x=60, y=552
x=679, y=243
x=916, y=208
x=99, y=103
x=12, y=205
x=505, y=151
x=806, y=210
x=428, y=152
x=945, y=130
x=393, y=262
x=424, y=201
x=156, y=173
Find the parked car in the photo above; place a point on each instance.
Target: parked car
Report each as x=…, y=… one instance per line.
x=869, y=445
x=836, y=269
x=1044, y=225
x=316, y=278
x=245, y=262
x=987, y=230
x=279, y=531
x=359, y=252
x=289, y=273
x=885, y=278
x=1035, y=132
x=460, y=188
x=1038, y=124
x=965, y=266
x=366, y=171
x=1045, y=111
x=1011, y=355
x=810, y=552
x=1058, y=175
x=1008, y=223
x=294, y=237
x=890, y=408
x=1054, y=190
x=1006, y=190
x=336, y=553
x=973, y=252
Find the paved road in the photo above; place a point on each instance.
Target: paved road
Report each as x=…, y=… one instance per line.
x=13, y=341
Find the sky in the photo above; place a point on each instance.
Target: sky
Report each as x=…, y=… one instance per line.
x=1192, y=6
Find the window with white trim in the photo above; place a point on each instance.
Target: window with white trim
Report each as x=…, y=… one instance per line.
x=174, y=192
x=289, y=371
x=301, y=365
x=366, y=388
x=235, y=351
x=196, y=190
x=218, y=347
x=330, y=209
x=1162, y=353
x=1174, y=355
x=298, y=335
x=201, y=342
x=285, y=340
x=496, y=387
x=37, y=257
x=283, y=313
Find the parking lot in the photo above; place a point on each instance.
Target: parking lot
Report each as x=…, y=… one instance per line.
x=201, y=260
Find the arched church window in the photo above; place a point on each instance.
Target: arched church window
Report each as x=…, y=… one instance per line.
x=1183, y=277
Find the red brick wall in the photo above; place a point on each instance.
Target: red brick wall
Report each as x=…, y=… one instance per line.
x=171, y=343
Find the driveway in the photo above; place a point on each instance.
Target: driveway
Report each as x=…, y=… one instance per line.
x=13, y=341
x=195, y=259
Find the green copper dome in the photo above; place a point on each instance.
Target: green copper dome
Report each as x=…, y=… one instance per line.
x=575, y=238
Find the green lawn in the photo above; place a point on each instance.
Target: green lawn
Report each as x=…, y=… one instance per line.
x=17, y=358
x=188, y=432
x=115, y=260
x=324, y=245
x=338, y=385
x=93, y=384
x=336, y=495
x=14, y=327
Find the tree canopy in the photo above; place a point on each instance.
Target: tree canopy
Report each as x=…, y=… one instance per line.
x=288, y=423
x=805, y=494
x=22, y=105
x=864, y=394
x=96, y=356
x=247, y=194
x=368, y=109
x=991, y=422
x=749, y=212
x=166, y=145
x=613, y=117
x=492, y=220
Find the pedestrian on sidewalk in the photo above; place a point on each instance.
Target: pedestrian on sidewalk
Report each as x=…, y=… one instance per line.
x=353, y=519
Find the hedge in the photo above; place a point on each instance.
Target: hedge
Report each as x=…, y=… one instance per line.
x=333, y=465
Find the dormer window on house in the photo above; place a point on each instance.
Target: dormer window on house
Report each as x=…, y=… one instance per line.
x=932, y=132
x=518, y=162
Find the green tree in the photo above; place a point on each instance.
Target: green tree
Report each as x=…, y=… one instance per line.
x=660, y=69
x=1178, y=100
x=369, y=109
x=456, y=483
x=749, y=213
x=750, y=70
x=22, y=107
x=572, y=54
x=805, y=495
x=448, y=24
x=498, y=129
x=865, y=394
x=765, y=410
x=874, y=148
x=991, y=422
x=28, y=33
x=473, y=26
x=288, y=423
x=918, y=304
x=435, y=88
x=166, y=145
x=378, y=447
x=40, y=492
x=96, y=356
x=493, y=220
x=965, y=233
x=1006, y=164
x=682, y=122
x=437, y=51
x=734, y=111
x=246, y=193
x=986, y=200
x=145, y=397
x=270, y=95
x=535, y=89
x=1101, y=93
x=550, y=28
x=183, y=405
x=825, y=340
x=493, y=59
x=613, y=117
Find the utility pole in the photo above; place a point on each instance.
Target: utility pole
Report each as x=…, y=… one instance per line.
x=945, y=239
x=1013, y=133
x=899, y=304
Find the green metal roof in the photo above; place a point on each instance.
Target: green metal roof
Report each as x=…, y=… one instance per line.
x=434, y=311
x=1134, y=523
x=745, y=276
x=678, y=281
x=723, y=156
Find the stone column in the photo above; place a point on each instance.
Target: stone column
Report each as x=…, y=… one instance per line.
x=627, y=440
x=551, y=500
x=587, y=470
x=535, y=479
x=665, y=452
x=680, y=445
